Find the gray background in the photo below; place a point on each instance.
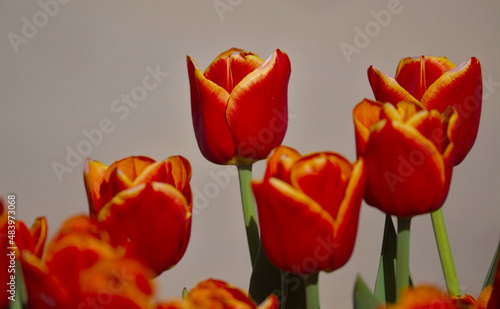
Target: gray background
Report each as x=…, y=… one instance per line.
x=64, y=78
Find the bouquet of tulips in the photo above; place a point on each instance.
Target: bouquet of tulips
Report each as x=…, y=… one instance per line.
x=301, y=216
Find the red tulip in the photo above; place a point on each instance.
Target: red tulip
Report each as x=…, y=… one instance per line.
x=32, y=239
x=212, y=294
x=424, y=297
x=436, y=83
x=408, y=153
x=144, y=206
x=308, y=209
x=81, y=270
x=239, y=105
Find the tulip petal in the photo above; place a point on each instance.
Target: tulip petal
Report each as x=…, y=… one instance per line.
x=257, y=111
x=213, y=293
x=280, y=163
x=346, y=221
x=406, y=174
x=93, y=175
x=365, y=114
x=387, y=89
x=208, y=108
x=144, y=216
x=313, y=173
x=69, y=255
x=44, y=290
x=286, y=217
x=130, y=286
x=116, y=181
x=418, y=73
x=33, y=239
x=227, y=70
x=131, y=167
x=461, y=88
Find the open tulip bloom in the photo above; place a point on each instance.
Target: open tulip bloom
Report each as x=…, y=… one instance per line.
x=141, y=203
x=408, y=153
x=308, y=210
x=436, y=83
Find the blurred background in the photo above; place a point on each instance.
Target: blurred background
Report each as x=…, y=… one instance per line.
x=67, y=65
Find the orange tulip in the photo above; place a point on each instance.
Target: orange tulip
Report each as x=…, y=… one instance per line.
x=490, y=296
x=32, y=239
x=13, y=245
x=212, y=294
x=144, y=206
x=423, y=297
x=239, y=105
x=408, y=153
x=81, y=270
x=436, y=83
x=308, y=209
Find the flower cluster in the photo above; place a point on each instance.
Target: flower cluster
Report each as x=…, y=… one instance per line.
x=409, y=138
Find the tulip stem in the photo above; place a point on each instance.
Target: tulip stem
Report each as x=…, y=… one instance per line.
x=249, y=213
x=445, y=255
x=403, y=255
x=312, y=293
x=21, y=297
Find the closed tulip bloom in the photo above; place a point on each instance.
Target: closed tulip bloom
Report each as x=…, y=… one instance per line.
x=408, y=153
x=144, y=206
x=239, y=105
x=308, y=209
x=436, y=83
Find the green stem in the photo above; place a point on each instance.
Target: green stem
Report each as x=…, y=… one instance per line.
x=249, y=214
x=403, y=255
x=21, y=294
x=312, y=292
x=443, y=244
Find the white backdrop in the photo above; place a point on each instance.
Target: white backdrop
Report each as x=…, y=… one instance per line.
x=62, y=71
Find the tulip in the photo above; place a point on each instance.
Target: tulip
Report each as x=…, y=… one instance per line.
x=490, y=295
x=32, y=239
x=83, y=270
x=308, y=209
x=239, y=105
x=144, y=206
x=102, y=183
x=408, y=153
x=436, y=83
x=426, y=297
x=211, y=294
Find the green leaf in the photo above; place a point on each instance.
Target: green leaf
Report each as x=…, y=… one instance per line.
x=267, y=279
x=490, y=277
x=363, y=298
x=385, y=285
x=184, y=293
